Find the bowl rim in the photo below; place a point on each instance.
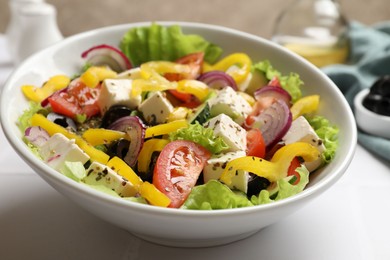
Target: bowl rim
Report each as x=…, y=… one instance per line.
x=27, y=156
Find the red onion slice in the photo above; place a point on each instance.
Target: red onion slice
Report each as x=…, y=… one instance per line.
x=273, y=91
x=276, y=121
x=218, y=80
x=135, y=129
x=36, y=135
x=107, y=55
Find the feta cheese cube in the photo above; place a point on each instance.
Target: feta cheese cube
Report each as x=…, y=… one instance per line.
x=117, y=92
x=301, y=131
x=156, y=108
x=229, y=102
x=216, y=165
x=231, y=132
x=134, y=73
x=100, y=174
x=59, y=149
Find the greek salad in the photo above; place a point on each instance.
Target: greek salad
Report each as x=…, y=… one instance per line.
x=168, y=119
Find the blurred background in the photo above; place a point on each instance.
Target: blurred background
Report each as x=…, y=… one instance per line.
x=253, y=16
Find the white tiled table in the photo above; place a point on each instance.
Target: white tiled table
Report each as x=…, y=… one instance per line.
x=350, y=221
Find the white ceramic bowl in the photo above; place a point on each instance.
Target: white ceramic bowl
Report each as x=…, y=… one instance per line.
x=368, y=121
x=184, y=228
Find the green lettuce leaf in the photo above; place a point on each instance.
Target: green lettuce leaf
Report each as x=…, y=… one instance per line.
x=291, y=83
x=329, y=135
x=25, y=119
x=215, y=195
x=200, y=135
x=156, y=42
x=283, y=189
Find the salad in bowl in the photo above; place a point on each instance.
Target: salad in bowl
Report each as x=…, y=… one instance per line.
x=184, y=134
x=163, y=119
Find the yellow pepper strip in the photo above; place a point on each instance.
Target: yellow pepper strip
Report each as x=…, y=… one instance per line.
x=155, y=69
x=194, y=87
x=96, y=136
x=179, y=113
x=142, y=85
x=240, y=60
x=251, y=100
x=276, y=168
x=153, y=195
x=53, y=84
x=207, y=66
x=53, y=128
x=305, y=105
x=153, y=79
x=93, y=75
x=163, y=129
x=145, y=155
x=124, y=170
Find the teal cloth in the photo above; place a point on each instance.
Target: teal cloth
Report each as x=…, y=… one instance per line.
x=369, y=59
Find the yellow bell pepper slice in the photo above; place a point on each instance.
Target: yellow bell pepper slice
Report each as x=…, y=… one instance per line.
x=276, y=168
x=124, y=170
x=305, y=105
x=179, y=113
x=166, y=128
x=53, y=128
x=155, y=69
x=93, y=75
x=194, y=87
x=145, y=155
x=53, y=84
x=152, y=76
x=153, y=195
x=143, y=85
x=97, y=136
x=242, y=64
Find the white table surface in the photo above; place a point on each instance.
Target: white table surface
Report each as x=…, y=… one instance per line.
x=350, y=221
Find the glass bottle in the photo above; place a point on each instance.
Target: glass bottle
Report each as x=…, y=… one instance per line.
x=314, y=29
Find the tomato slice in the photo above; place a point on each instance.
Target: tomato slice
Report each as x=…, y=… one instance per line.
x=295, y=163
x=255, y=143
x=258, y=107
x=178, y=168
x=76, y=99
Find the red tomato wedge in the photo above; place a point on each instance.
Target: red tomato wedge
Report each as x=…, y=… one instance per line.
x=255, y=143
x=295, y=163
x=195, y=61
x=77, y=99
x=178, y=168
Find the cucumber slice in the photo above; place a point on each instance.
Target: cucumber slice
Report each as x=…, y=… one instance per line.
x=202, y=114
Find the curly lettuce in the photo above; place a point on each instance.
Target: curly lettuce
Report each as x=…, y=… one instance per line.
x=24, y=120
x=291, y=83
x=215, y=195
x=200, y=135
x=283, y=188
x=329, y=135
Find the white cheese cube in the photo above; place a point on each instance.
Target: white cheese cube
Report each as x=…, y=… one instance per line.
x=229, y=102
x=134, y=73
x=231, y=132
x=100, y=174
x=59, y=149
x=156, y=108
x=216, y=165
x=117, y=92
x=301, y=131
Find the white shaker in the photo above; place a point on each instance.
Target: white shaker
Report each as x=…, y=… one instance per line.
x=13, y=28
x=38, y=29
